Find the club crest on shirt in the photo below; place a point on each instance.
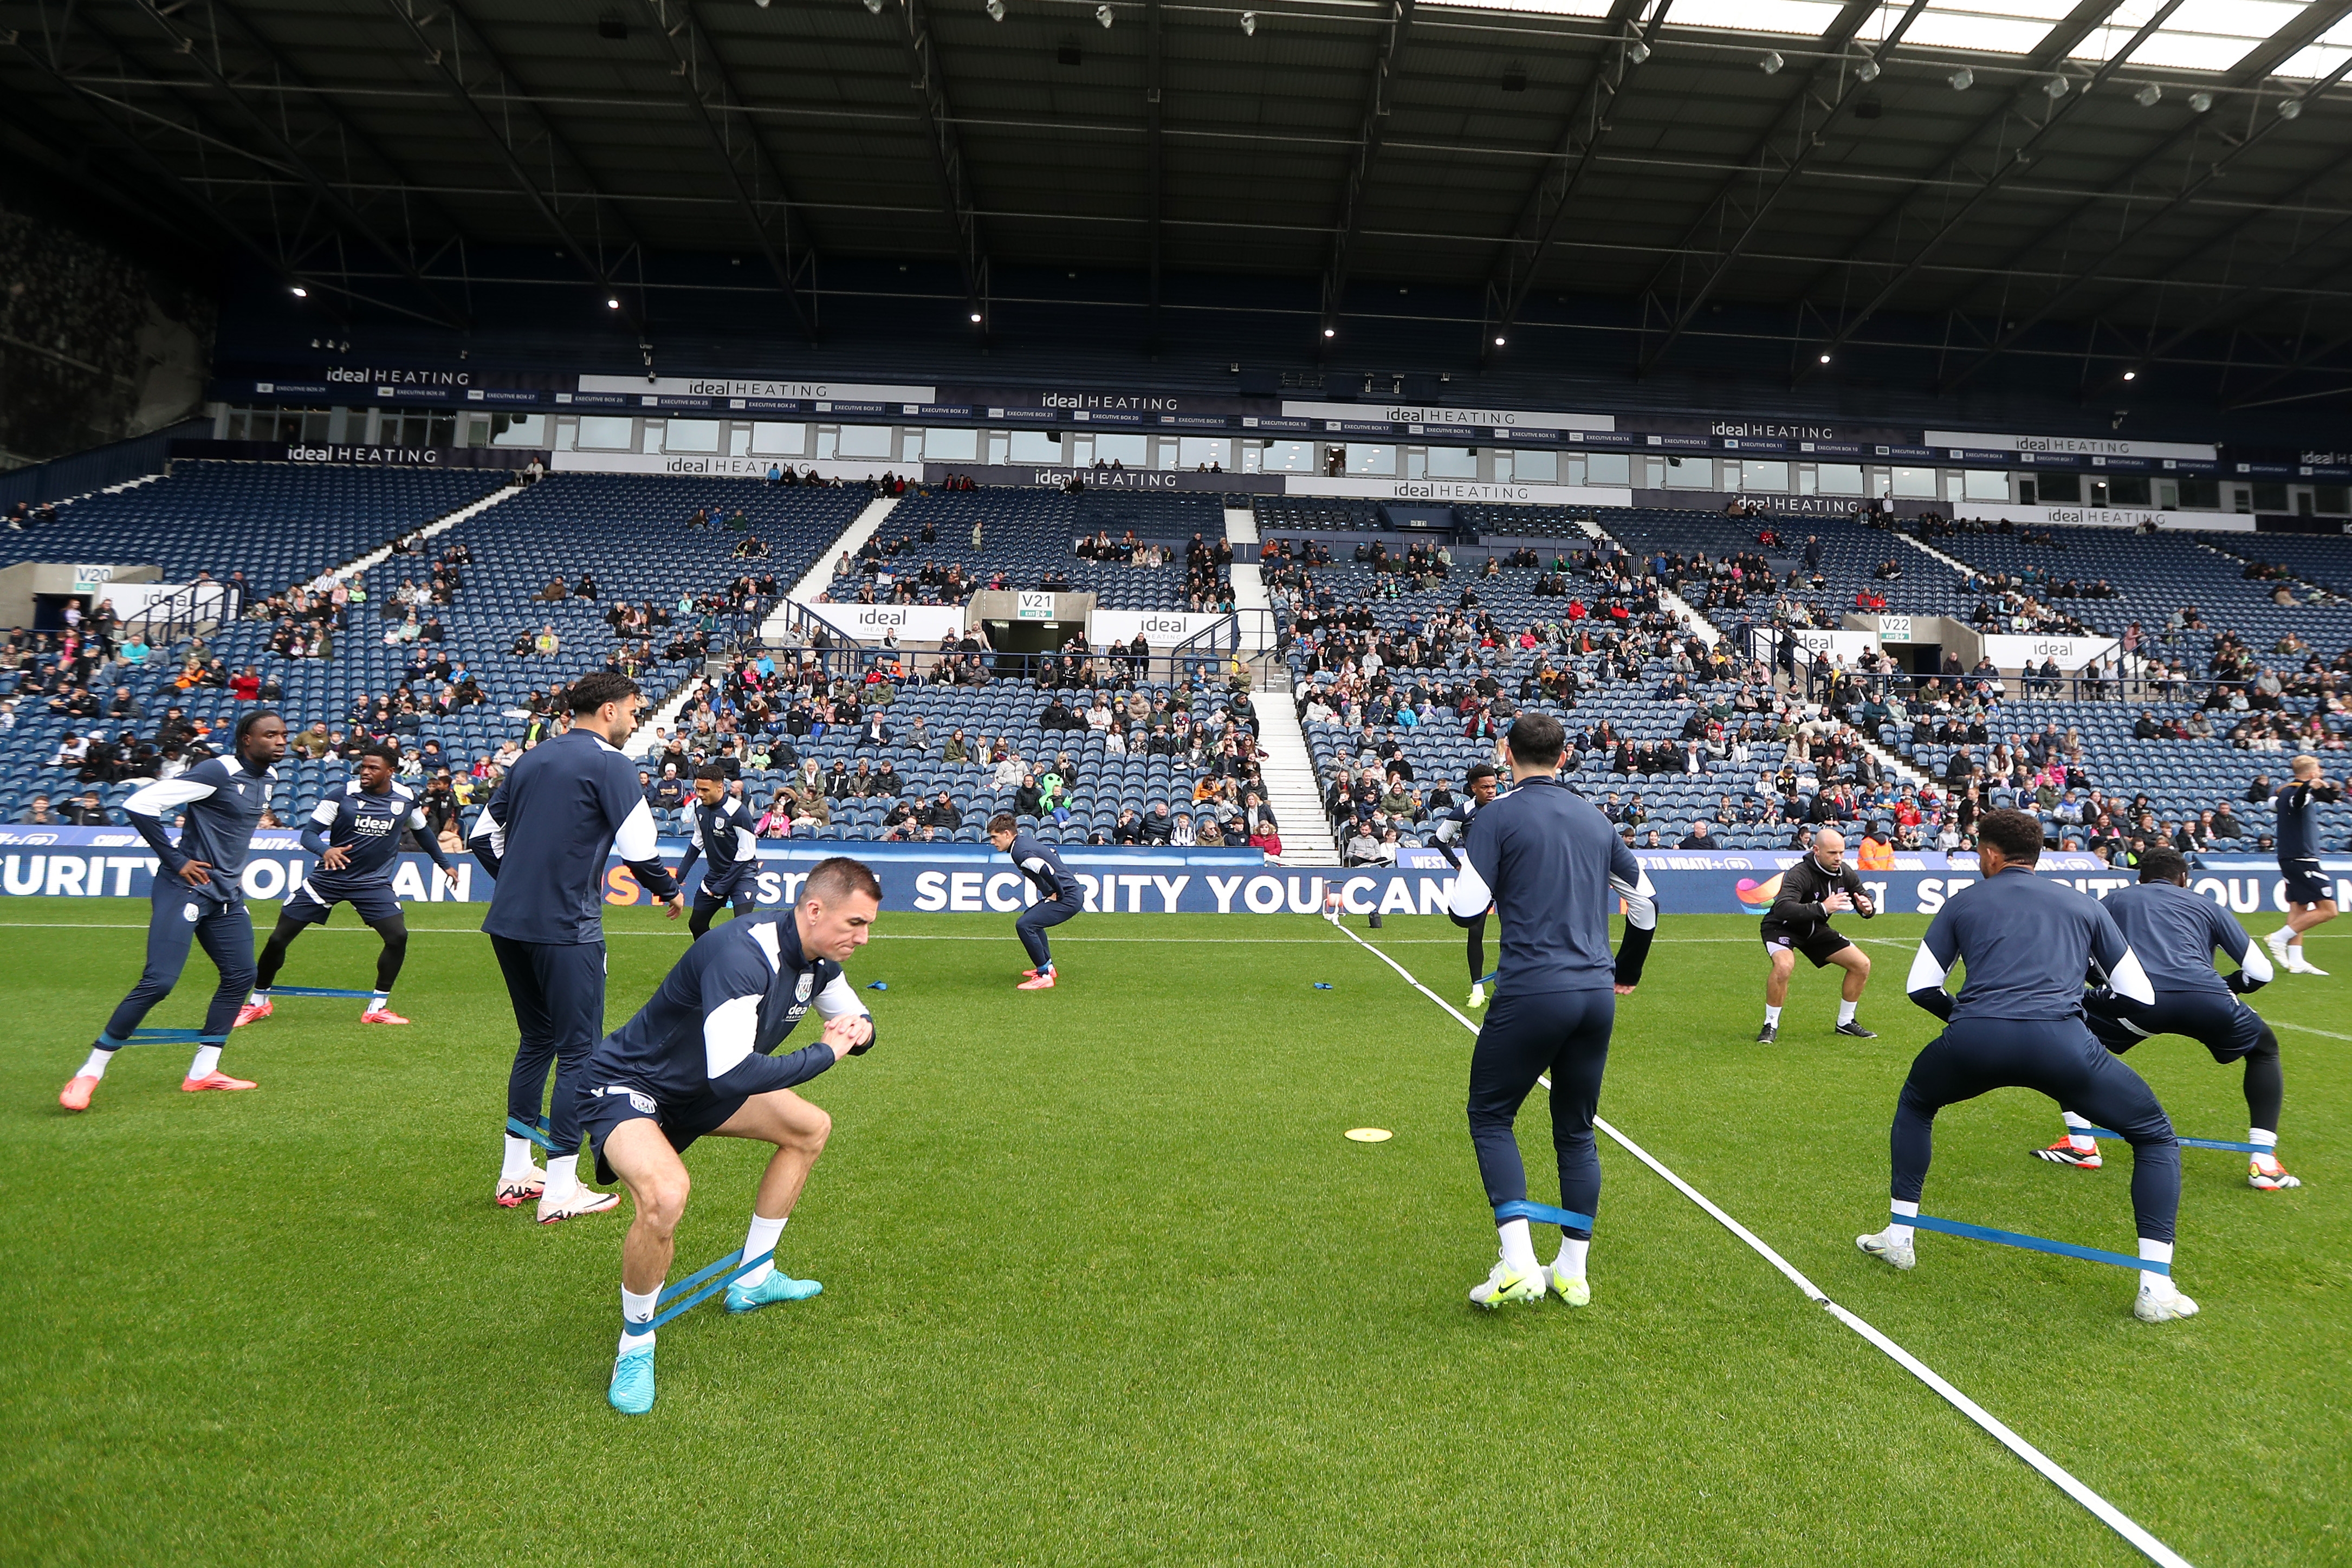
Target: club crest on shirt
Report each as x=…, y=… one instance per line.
x=643, y=1102
x=801, y=994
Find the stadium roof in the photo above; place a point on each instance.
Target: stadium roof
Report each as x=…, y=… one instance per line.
x=2172, y=177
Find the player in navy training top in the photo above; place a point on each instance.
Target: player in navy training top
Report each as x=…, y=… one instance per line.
x=198, y=895
x=2310, y=894
x=1478, y=790
x=722, y=835
x=699, y=1058
x=1058, y=895
x=544, y=833
x=2176, y=933
x=356, y=833
x=2027, y=944
x=1554, y=870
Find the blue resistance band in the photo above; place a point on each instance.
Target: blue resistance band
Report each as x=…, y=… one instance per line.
x=1489, y=979
x=162, y=1038
x=1542, y=1214
x=2187, y=1142
x=314, y=991
x=538, y=1134
x=734, y=1269
x=2029, y=1243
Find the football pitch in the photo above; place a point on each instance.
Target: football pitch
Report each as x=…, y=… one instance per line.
x=1104, y=1282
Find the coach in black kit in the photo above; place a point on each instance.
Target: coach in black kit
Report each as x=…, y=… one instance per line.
x=1817, y=887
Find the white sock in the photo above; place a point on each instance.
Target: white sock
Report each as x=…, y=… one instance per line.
x=2078, y=1132
x=260, y=994
x=1902, y=1209
x=383, y=999
x=1845, y=1011
x=207, y=1062
x=2265, y=1140
x=518, y=1162
x=2155, y=1252
x=1570, y=1265
x=1519, y=1247
x=562, y=1178
x=99, y=1055
x=762, y=1237
x=637, y=1308
x=1771, y=1016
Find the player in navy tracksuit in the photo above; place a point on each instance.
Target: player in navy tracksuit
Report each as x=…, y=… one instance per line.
x=355, y=833
x=1478, y=786
x=722, y=835
x=2028, y=943
x=2176, y=934
x=198, y=896
x=1059, y=895
x=700, y=1059
x=2310, y=895
x=544, y=833
x=1554, y=870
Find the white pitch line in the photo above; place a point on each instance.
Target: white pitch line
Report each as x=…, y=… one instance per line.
x=2307, y=1030
x=2106, y=1512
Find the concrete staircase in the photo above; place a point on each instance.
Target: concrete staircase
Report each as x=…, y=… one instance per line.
x=852, y=539
x=1289, y=770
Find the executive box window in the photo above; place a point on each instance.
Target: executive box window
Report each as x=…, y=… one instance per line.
x=2061, y=490
x=769, y=440
x=691, y=436
x=519, y=429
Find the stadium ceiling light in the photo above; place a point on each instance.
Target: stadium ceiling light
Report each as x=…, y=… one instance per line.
x=2291, y=109
x=1963, y=80
x=875, y=7
x=1825, y=359
x=1867, y=70
x=2131, y=375
x=1638, y=52
x=2149, y=97
x=1249, y=23
x=1498, y=343
x=1330, y=331
x=301, y=292
x=975, y=317
x=613, y=302
x=2057, y=87
x=2199, y=102
x=1771, y=63
x=995, y=9
x=1105, y=14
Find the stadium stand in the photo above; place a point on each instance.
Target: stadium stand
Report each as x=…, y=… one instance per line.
x=1128, y=549
x=276, y=523
x=1407, y=658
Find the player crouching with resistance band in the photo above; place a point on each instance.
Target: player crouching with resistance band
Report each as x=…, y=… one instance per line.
x=356, y=835
x=696, y=1059
x=2027, y=941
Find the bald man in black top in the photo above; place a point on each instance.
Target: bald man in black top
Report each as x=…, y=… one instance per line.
x=1817, y=887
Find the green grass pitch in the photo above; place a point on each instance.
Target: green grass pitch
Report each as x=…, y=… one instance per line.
x=1104, y=1283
